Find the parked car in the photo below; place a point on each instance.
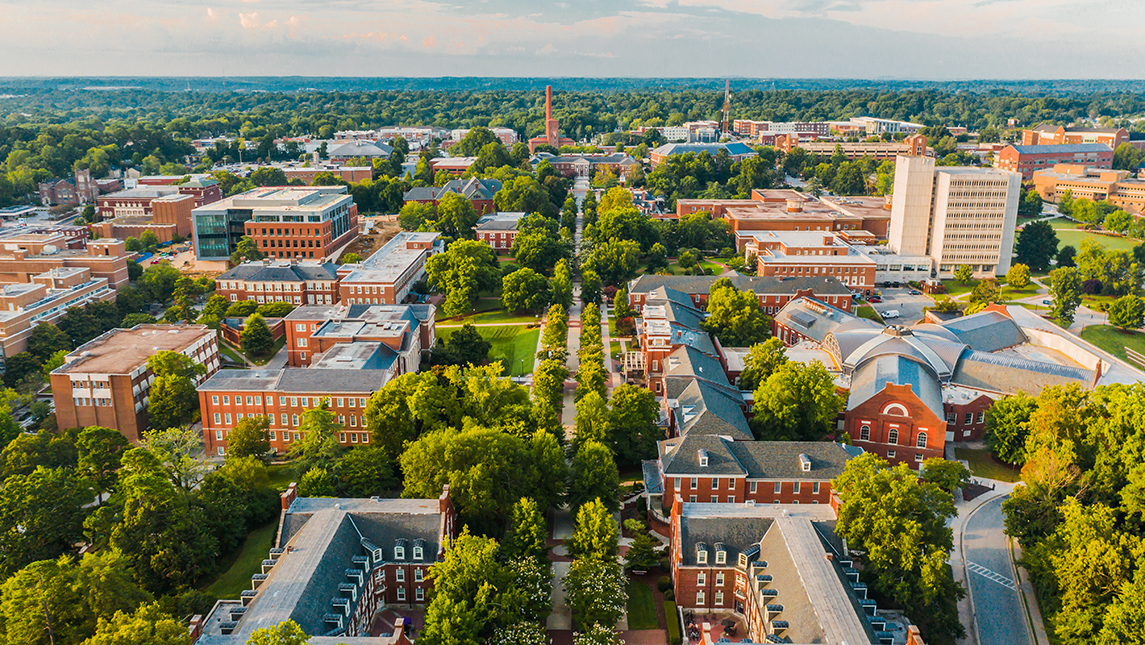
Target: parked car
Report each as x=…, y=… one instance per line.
x=874, y=299
x=1047, y=302
x=915, y=292
x=890, y=313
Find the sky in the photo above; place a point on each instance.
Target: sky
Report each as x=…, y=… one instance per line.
x=901, y=39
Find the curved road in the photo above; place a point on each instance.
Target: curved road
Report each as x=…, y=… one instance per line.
x=999, y=615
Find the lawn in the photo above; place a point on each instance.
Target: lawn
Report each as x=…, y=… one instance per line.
x=641, y=607
x=1071, y=233
x=514, y=345
x=262, y=360
x=281, y=475
x=869, y=313
x=710, y=268
x=230, y=353
x=244, y=563
x=983, y=464
x=1115, y=341
x=487, y=317
x=955, y=288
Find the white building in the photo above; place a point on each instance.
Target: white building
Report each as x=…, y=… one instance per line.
x=954, y=215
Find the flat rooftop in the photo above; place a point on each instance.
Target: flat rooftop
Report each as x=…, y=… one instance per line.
x=388, y=263
x=282, y=199
x=142, y=192
x=120, y=351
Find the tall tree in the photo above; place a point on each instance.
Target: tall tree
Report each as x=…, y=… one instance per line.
x=632, y=429
x=465, y=269
x=562, y=284
x=594, y=476
x=527, y=532
x=596, y=534
x=256, y=337
x=797, y=402
x=1127, y=312
x=735, y=316
x=1065, y=288
x=1037, y=244
x=596, y=591
x=524, y=290
x=1007, y=427
x=762, y=361
x=173, y=396
x=249, y=438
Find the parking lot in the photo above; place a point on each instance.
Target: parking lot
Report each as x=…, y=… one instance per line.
x=909, y=307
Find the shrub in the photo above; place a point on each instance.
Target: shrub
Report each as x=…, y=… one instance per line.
x=664, y=584
x=675, y=637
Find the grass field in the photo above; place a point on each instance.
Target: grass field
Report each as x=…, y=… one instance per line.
x=710, y=268
x=246, y=562
x=868, y=313
x=1114, y=340
x=281, y=475
x=231, y=354
x=1071, y=233
x=486, y=317
x=641, y=607
x=983, y=464
x=262, y=360
x=514, y=345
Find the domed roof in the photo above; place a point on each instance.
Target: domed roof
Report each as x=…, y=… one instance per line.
x=928, y=345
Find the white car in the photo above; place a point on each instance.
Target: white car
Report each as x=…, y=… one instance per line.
x=890, y=313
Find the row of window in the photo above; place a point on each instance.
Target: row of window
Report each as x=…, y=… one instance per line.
x=752, y=486
x=892, y=436
x=225, y=418
x=968, y=419
x=715, y=499
x=85, y=402
x=336, y=402
x=297, y=436
x=702, y=577
x=719, y=598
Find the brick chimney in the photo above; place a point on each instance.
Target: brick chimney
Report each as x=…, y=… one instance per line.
x=289, y=495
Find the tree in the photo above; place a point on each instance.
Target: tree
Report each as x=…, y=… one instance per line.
x=1018, y=276
x=597, y=634
x=524, y=290
x=527, y=532
x=349, y=258
x=246, y=250
x=1037, y=245
x=632, y=429
x=466, y=346
x=521, y=633
x=319, y=446
x=1118, y=221
x=279, y=309
x=901, y=525
x=268, y=176
x=317, y=482
x=249, y=438
x=734, y=316
x=1066, y=256
x=947, y=475
x=596, y=591
x=591, y=419
x=100, y=452
x=173, y=394
x=761, y=362
x=46, y=340
x=614, y=260
x=657, y=259
x=562, y=284
x=41, y=516
x=178, y=451
x=256, y=337
x=149, y=240
x=1065, y=289
x=643, y=554
x=1125, y=616
x=39, y=605
x=1007, y=427
x=964, y=273
x=590, y=286
x=148, y=624
x=466, y=268
x=241, y=309
x=455, y=216
x=1127, y=312
x=285, y=633
x=468, y=585
x=594, y=476
x=985, y=292
x=797, y=402
x=366, y=471
x=1030, y=204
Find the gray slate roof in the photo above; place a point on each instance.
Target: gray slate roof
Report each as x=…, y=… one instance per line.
x=679, y=457
x=470, y=188
x=1011, y=374
x=871, y=377
x=821, y=285
x=282, y=272
x=706, y=409
x=987, y=331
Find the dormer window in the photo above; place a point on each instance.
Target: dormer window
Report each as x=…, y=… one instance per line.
x=419, y=549
x=703, y=458
x=743, y=560
x=702, y=553
x=399, y=553
x=721, y=553
x=804, y=463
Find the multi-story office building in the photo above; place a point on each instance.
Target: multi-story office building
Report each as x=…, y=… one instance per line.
x=1117, y=186
x=284, y=222
x=878, y=150
x=138, y=201
x=43, y=300
x=954, y=215
x=170, y=216
x=28, y=255
x=1029, y=159
x=299, y=283
x=106, y=381
x=791, y=254
x=1050, y=135
x=407, y=330
x=386, y=277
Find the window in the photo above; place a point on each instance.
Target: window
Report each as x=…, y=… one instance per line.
x=921, y=440
x=893, y=437
x=218, y=435
x=815, y=488
x=692, y=499
x=215, y=399
x=693, y=483
x=353, y=437
x=419, y=593
x=795, y=488
x=742, y=560
x=226, y=400
x=865, y=433
x=699, y=598
x=418, y=553
x=719, y=597
x=676, y=483
x=341, y=437
x=701, y=578
x=283, y=419
x=890, y=454
x=361, y=403
x=341, y=402
x=715, y=499
x=273, y=435
x=721, y=558
x=300, y=327
x=401, y=590
x=227, y=417
x=731, y=483
x=752, y=485
x=731, y=499
x=302, y=342
x=969, y=419
x=218, y=418
x=778, y=487
x=399, y=553
x=917, y=457
x=417, y=574
x=294, y=419
x=981, y=417
x=400, y=575
x=702, y=556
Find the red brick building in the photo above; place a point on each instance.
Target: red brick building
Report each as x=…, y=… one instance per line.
x=1056, y=135
x=1029, y=159
x=773, y=292
x=299, y=283
x=406, y=329
x=499, y=230
x=480, y=192
x=387, y=276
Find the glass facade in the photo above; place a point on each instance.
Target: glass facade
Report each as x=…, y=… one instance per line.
x=217, y=234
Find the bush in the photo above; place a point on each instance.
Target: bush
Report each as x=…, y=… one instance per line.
x=669, y=595
x=664, y=584
x=675, y=637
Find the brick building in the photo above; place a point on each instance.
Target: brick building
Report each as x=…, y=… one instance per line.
x=1118, y=186
x=585, y=165
x=789, y=210
x=1056, y=135
x=1029, y=159
x=480, y=192
x=351, y=174
x=552, y=136
x=28, y=255
x=138, y=200
x=773, y=292
x=44, y=299
x=755, y=129
x=105, y=382
x=170, y=216
x=299, y=283
x=455, y=166
x=914, y=145
x=498, y=230
x=407, y=330
x=338, y=568
x=285, y=223
x=387, y=276
x=735, y=150
x=798, y=254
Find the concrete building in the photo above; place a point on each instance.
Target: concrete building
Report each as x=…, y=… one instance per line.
x=351, y=174
x=1029, y=159
x=1056, y=135
x=480, y=192
x=955, y=215
x=498, y=230
x=552, y=136
x=339, y=568
x=299, y=283
x=1118, y=186
x=285, y=223
x=737, y=151
x=387, y=276
x=871, y=125
x=24, y=256
x=755, y=129
x=44, y=299
x=105, y=382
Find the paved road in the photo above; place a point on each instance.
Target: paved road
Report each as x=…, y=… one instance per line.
x=909, y=307
x=999, y=613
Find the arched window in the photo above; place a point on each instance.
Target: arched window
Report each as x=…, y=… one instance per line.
x=893, y=436
x=896, y=409
x=921, y=440
x=865, y=433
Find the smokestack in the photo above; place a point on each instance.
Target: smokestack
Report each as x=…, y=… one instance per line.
x=548, y=102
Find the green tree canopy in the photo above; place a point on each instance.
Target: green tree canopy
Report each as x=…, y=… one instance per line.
x=1037, y=244
x=797, y=402
x=735, y=317
x=465, y=269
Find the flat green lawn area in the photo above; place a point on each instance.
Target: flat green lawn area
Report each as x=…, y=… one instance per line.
x=486, y=317
x=281, y=475
x=1009, y=293
x=1072, y=233
x=710, y=268
x=231, y=354
x=983, y=464
x=1115, y=341
x=515, y=345
x=641, y=607
x=613, y=347
x=246, y=562
x=956, y=288
x=869, y=313
x=262, y=360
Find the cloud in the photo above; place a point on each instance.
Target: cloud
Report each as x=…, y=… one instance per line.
x=429, y=42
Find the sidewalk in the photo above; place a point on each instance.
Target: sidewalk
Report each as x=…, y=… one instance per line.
x=1029, y=598
x=965, y=509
